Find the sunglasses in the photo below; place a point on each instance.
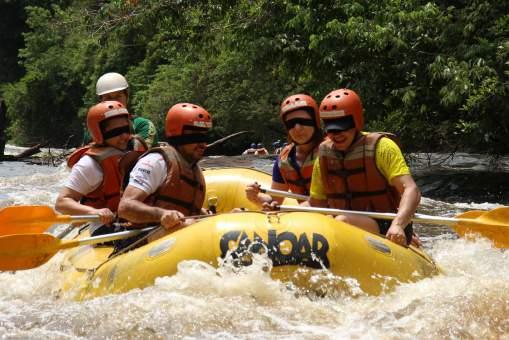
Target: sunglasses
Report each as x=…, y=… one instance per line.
x=290, y=123
x=116, y=132
x=336, y=132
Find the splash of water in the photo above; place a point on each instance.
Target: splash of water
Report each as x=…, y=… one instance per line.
x=470, y=301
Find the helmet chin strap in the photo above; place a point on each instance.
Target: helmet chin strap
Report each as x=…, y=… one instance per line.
x=308, y=141
x=357, y=136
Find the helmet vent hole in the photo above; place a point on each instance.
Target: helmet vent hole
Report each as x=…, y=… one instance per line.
x=200, y=115
x=110, y=106
x=297, y=98
x=328, y=96
x=324, y=107
x=334, y=107
x=346, y=93
x=184, y=105
x=337, y=96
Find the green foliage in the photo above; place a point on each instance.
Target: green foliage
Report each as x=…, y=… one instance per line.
x=436, y=73
x=12, y=25
x=44, y=103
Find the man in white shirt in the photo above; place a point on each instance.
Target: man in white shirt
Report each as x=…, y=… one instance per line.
x=167, y=184
x=94, y=184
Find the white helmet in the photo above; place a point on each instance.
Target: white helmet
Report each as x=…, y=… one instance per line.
x=110, y=82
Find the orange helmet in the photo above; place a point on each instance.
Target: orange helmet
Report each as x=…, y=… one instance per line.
x=188, y=115
x=342, y=103
x=299, y=101
x=101, y=112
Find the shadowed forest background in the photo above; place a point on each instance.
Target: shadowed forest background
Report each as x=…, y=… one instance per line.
x=435, y=73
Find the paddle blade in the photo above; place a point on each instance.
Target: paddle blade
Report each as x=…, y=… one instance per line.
x=493, y=224
x=26, y=219
x=26, y=251
x=472, y=214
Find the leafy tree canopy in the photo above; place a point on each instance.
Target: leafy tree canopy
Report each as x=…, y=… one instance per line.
x=436, y=73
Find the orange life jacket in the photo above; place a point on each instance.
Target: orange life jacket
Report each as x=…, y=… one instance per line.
x=107, y=195
x=137, y=147
x=184, y=187
x=351, y=179
x=299, y=181
x=112, y=162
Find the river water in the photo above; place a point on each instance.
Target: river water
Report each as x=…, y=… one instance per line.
x=470, y=301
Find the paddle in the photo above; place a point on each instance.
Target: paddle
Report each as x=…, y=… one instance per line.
x=27, y=219
x=280, y=193
x=493, y=224
x=26, y=251
x=224, y=139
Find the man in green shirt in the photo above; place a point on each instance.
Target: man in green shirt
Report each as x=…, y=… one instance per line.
x=113, y=86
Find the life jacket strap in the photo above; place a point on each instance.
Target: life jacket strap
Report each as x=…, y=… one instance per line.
x=186, y=205
x=351, y=195
x=345, y=172
x=192, y=182
x=299, y=182
x=93, y=199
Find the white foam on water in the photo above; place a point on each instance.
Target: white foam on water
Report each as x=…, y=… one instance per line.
x=471, y=300
x=33, y=189
x=456, y=207
x=477, y=206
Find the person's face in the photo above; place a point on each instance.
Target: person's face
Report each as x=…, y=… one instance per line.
x=120, y=141
x=300, y=126
x=342, y=139
x=195, y=151
x=119, y=96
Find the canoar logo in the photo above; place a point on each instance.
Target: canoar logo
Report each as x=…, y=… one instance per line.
x=285, y=248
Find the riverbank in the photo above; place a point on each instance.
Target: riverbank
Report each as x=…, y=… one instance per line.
x=462, y=177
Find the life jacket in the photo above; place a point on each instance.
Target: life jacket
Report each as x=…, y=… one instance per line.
x=112, y=162
x=352, y=180
x=184, y=187
x=137, y=147
x=299, y=181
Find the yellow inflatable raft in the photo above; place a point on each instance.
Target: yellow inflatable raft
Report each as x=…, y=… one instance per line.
x=298, y=244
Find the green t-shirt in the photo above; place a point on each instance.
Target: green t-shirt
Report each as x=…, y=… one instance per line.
x=142, y=127
x=146, y=130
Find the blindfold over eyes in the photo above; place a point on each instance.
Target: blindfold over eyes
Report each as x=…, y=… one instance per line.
x=290, y=123
x=116, y=132
x=191, y=138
